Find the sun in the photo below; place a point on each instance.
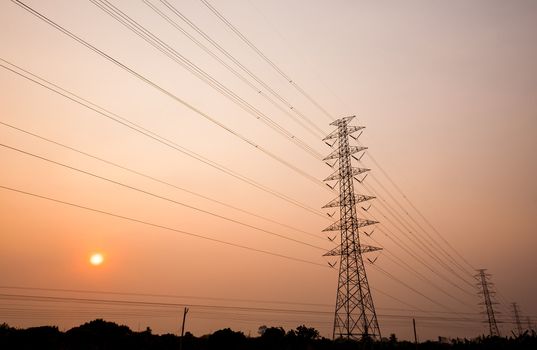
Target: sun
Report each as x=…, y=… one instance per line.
x=96, y=259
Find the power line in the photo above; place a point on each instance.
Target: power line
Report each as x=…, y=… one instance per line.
x=145, y=132
x=442, y=250
x=159, y=88
x=318, y=132
x=409, y=287
x=16, y=312
x=426, y=249
x=157, y=180
x=397, y=299
x=266, y=59
x=154, y=304
x=300, y=56
x=416, y=256
x=155, y=295
x=173, y=54
x=161, y=226
x=408, y=249
x=225, y=308
x=409, y=268
x=406, y=227
x=160, y=310
x=175, y=296
x=160, y=197
x=419, y=212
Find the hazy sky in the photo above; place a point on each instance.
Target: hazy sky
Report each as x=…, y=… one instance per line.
x=447, y=91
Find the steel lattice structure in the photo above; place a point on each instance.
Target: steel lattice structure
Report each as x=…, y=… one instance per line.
x=516, y=313
x=485, y=288
x=355, y=316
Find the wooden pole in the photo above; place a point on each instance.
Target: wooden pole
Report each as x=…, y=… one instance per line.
x=183, y=329
x=415, y=334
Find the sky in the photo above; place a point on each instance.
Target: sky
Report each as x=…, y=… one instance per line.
x=447, y=91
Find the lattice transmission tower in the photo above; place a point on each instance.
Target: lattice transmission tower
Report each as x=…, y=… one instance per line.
x=516, y=313
x=530, y=326
x=485, y=289
x=355, y=316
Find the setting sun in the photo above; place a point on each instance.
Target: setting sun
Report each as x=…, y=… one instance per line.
x=96, y=259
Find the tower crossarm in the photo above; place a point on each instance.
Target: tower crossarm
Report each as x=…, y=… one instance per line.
x=363, y=249
x=336, y=226
x=354, y=171
x=336, y=202
x=352, y=150
x=343, y=122
x=350, y=130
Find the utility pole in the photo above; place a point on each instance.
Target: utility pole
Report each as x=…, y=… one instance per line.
x=183, y=329
x=355, y=316
x=415, y=334
x=485, y=289
x=517, y=318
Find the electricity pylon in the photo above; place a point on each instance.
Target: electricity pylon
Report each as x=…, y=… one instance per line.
x=530, y=326
x=355, y=316
x=485, y=288
x=517, y=318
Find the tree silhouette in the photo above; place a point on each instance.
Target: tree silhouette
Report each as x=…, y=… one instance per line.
x=99, y=334
x=307, y=333
x=226, y=339
x=272, y=338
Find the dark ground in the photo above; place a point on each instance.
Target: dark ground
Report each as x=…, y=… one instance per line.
x=101, y=335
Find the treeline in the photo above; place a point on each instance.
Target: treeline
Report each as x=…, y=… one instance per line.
x=103, y=335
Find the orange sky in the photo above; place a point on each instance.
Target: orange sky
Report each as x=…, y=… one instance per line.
x=447, y=91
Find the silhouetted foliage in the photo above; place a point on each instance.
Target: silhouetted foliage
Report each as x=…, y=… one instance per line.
x=272, y=338
x=103, y=335
x=44, y=337
x=99, y=334
x=227, y=339
x=393, y=338
x=307, y=333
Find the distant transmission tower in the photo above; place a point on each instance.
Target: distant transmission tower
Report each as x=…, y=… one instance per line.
x=355, y=316
x=485, y=288
x=516, y=312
